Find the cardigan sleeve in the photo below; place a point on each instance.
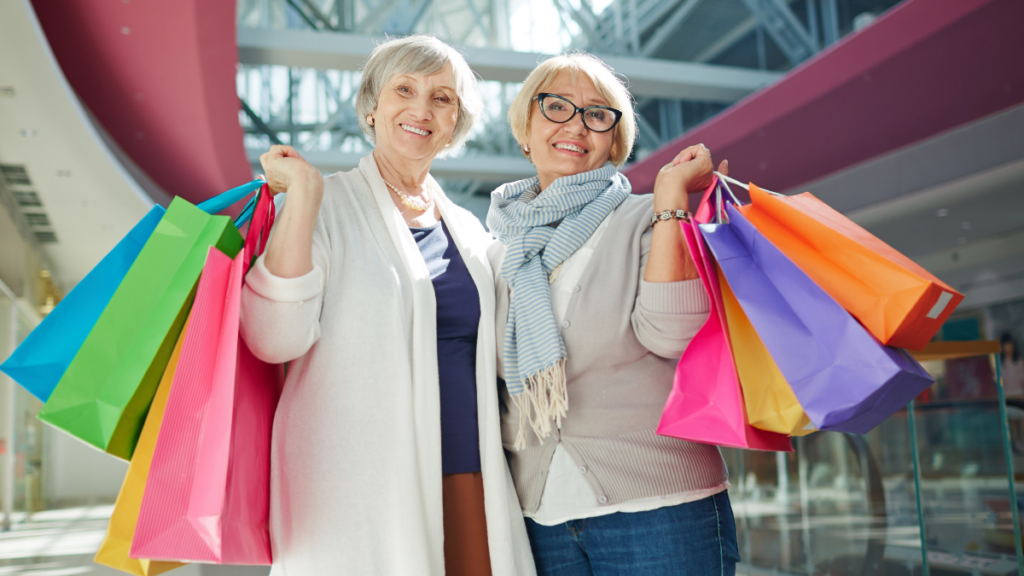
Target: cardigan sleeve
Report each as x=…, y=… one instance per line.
x=280, y=317
x=667, y=315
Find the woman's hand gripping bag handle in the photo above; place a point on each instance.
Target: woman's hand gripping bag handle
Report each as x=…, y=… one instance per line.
x=706, y=403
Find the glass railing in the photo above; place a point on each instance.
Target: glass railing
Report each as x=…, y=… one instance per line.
x=930, y=491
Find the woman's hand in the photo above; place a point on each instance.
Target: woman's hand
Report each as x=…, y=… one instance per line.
x=287, y=171
x=290, y=251
x=690, y=171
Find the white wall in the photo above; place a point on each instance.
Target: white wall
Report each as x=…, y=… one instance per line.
x=74, y=472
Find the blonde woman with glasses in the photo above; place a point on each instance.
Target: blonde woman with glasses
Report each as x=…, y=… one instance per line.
x=597, y=299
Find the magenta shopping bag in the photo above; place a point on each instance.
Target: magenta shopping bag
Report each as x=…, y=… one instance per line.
x=844, y=378
x=706, y=404
x=207, y=498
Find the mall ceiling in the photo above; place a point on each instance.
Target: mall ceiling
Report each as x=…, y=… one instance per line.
x=927, y=96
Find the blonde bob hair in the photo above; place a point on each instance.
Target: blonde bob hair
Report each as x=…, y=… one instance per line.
x=605, y=81
x=419, y=54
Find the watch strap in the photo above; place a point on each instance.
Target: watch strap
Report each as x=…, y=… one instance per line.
x=669, y=214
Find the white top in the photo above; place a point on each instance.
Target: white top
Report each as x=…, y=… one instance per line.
x=567, y=495
x=356, y=458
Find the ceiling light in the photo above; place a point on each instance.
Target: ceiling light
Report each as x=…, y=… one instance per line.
x=29, y=133
x=942, y=212
x=965, y=225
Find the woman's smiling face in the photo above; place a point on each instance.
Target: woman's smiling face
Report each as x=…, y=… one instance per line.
x=416, y=115
x=559, y=150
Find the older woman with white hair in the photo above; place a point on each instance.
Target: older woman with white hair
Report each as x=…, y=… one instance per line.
x=387, y=456
x=597, y=300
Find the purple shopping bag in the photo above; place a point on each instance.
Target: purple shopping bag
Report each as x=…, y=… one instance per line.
x=845, y=379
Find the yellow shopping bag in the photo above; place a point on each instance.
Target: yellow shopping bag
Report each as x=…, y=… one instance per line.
x=114, y=550
x=771, y=403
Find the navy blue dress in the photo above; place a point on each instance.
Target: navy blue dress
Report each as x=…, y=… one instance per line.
x=458, y=318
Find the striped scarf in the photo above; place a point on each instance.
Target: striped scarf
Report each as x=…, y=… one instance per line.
x=525, y=222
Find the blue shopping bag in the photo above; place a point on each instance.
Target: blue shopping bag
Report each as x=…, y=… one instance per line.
x=43, y=357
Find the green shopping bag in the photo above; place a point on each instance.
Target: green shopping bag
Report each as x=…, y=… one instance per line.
x=105, y=394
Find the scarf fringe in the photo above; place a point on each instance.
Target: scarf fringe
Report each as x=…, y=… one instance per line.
x=544, y=400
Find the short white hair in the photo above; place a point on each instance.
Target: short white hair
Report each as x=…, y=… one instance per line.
x=419, y=54
x=608, y=85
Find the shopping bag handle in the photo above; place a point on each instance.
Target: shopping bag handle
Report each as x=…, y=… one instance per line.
x=703, y=213
x=742, y=185
x=723, y=183
x=221, y=201
x=263, y=215
x=247, y=212
x=711, y=206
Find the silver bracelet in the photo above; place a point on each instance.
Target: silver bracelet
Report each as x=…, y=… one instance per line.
x=669, y=214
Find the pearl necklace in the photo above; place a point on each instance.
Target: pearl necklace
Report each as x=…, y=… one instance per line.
x=409, y=202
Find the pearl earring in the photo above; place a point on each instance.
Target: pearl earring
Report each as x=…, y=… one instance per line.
x=526, y=149
x=369, y=119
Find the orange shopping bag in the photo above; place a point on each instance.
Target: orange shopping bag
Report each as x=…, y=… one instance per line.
x=899, y=302
x=121, y=530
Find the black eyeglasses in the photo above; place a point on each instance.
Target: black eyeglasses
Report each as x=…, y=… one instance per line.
x=560, y=110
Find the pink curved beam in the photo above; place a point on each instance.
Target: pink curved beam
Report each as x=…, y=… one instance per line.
x=160, y=78
x=923, y=68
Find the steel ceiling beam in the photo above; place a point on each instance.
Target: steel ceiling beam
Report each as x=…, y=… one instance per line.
x=784, y=28
x=649, y=78
x=670, y=27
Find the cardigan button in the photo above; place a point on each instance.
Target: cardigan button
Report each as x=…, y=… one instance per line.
x=583, y=469
x=565, y=324
x=575, y=289
x=603, y=499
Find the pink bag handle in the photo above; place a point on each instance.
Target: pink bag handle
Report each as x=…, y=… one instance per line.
x=708, y=212
x=704, y=212
x=259, y=227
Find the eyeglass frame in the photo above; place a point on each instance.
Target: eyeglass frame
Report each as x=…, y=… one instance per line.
x=577, y=110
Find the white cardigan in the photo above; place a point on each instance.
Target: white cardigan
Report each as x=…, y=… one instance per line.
x=356, y=462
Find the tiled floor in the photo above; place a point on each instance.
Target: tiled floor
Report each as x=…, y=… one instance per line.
x=63, y=542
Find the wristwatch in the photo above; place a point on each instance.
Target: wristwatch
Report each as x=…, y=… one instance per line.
x=669, y=214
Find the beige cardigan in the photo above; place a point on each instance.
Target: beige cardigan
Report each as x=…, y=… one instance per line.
x=623, y=339
x=356, y=462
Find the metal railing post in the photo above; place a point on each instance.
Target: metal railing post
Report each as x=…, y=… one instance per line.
x=912, y=422
x=1008, y=454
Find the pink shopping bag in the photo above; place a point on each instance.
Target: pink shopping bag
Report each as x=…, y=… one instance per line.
x=207, y=497
x=706, y=403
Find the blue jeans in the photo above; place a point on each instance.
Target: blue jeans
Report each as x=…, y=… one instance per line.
x=693, y=539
